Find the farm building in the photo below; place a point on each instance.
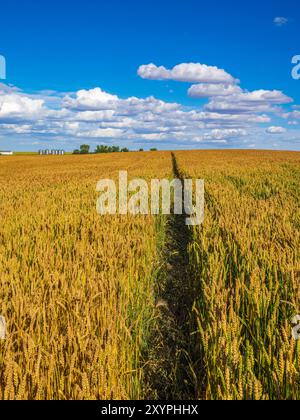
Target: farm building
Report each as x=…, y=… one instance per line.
x=6, y=153
x=51, y=152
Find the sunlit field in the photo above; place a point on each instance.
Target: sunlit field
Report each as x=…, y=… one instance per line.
x=76, y=288
x=104, y=307
x=246, y=261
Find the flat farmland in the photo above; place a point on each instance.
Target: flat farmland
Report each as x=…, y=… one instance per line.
x=135, y=307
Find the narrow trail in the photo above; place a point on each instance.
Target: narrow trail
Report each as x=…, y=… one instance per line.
x=171, y=373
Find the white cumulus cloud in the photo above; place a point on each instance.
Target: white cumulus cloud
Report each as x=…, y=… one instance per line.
x=276, y=130
x=16, y=106
x=256, y=101
x=187, y=72
x=209, y=90
x=280, y=21
x=91, y=99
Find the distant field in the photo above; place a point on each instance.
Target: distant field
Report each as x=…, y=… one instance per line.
x=25, y=153
x=33, y=153
x=133, y=307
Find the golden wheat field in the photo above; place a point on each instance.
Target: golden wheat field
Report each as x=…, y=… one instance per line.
x=138, y=307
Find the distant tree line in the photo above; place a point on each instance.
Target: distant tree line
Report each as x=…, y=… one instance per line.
x=85, y=150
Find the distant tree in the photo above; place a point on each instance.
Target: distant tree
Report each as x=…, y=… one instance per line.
x=153, y=150
x=76, y=152
x=84, y=149
x=101, y=149
x=125, y=150
x=141, y=150
x=107, y=149
x=115, y=149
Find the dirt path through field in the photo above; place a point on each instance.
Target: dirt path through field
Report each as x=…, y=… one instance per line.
x=171, y=374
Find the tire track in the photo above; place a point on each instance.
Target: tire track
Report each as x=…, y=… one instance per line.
x=171, y=368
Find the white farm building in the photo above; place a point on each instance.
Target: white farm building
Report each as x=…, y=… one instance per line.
x=6, y=153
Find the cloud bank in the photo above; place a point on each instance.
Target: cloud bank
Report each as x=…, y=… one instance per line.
x=230, y=117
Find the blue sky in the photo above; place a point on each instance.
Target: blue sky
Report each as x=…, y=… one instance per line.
x=55, y=49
